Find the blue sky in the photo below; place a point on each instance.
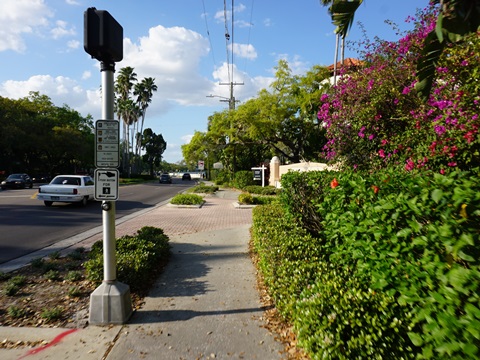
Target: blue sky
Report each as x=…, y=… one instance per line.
x=41, y=49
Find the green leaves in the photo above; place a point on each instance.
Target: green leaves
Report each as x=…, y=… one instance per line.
x=392, y=275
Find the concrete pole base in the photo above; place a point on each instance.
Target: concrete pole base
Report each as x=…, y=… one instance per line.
x=110, y=303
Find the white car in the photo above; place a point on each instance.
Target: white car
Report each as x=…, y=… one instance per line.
x=67, y=188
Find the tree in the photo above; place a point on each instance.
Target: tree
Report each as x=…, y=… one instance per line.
x=456, y=19
x=144, y=92
x=123, y=87
x=154, y=146
x=284, y=118
x=342, y=13
x=374, y=118
x=39, y=137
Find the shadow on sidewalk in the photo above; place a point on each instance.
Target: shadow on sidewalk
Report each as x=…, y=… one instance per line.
x=158, y=316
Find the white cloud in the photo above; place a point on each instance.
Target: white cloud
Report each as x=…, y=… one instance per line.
x=187, y=138
x=62, y=30
x=73, y=44
x=86, y=75
x=245, y=51
x=267, y=22
x=18, y=18
x=295, y=63
x=61, y=90
x=172, y=57
x=220, y=15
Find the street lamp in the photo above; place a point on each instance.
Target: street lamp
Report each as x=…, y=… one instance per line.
x=231, y=100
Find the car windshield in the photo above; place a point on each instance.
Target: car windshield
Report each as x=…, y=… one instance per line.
x=64, y=180
x=14, y=177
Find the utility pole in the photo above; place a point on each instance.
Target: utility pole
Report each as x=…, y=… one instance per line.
x=231, y=100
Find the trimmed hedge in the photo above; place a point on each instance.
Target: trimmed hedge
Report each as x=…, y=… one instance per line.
x=187, y=199
x=395, y=259
x=138, y=257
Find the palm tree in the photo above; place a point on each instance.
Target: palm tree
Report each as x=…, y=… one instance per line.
x=144, y=92
x=342, y=13
x=123, y=87
x=456, y=19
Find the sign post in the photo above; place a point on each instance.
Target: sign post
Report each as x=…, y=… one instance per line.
x=110, y=303
x=259, y=174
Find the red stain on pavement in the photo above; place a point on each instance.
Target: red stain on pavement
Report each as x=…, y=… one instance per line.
x=56, y=340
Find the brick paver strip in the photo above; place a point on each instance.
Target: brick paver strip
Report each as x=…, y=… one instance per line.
x=216, y=213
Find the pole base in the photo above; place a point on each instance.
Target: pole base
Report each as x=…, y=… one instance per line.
x=110, y=303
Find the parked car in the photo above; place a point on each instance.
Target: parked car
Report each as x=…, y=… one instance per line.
x=67, y=188
x=186, y=176
x=17, y=181
x=165, y=179
x=41, y=178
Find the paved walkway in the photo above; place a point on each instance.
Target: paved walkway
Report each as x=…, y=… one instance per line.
x=205, y=304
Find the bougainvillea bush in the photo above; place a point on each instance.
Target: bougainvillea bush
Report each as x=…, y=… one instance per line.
x=391, y=270
x=375, y=118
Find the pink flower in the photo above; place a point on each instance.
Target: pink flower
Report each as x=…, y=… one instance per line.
x=410, y=165
x=381, y=153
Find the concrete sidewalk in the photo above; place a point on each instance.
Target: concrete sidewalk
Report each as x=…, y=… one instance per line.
x=205, y=304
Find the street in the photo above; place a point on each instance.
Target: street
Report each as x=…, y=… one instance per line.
x=26, y=225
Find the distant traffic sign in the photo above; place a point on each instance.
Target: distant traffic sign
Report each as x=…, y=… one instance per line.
x=106, y=184
x=107, y=143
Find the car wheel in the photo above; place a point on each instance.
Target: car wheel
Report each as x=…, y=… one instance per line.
x=84, y=201
x=48, y=203
x=31, y=186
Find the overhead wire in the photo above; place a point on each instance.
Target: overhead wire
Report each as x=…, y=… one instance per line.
x=208, y=34
x=250, y=25
x=227, y=37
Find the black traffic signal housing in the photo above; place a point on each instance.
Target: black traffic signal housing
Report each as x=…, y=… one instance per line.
x=102, y=36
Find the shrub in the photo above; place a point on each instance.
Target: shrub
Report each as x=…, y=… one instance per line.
x=11, y=289
x=262, y=190
x=73, y=276
x=16, y=312
x=74, y=291
x=381, y=265
x=138, y=257
x=205, y=189
x=243, y=179
x=18, y=280
x=51, y=314
x=52, y=275
x=245, y=198
x=54, y=255
x=287, y=255
x=187, y=199
x=37, y=262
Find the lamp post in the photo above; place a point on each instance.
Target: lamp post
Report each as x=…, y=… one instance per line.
x=231, y=100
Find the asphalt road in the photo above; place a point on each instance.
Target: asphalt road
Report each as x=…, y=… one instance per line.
x=27, y=225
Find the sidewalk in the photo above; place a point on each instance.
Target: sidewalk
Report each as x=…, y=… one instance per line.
x=203, y=306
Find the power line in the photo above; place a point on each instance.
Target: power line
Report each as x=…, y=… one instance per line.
x=231, y=82
x=208, y=33
x=249, y=33
x=227, y=36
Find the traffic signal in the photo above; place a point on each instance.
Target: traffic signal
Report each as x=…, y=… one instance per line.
x=102, y=36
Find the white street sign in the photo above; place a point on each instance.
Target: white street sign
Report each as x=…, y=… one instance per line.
x=106, y=184
x=107, y=143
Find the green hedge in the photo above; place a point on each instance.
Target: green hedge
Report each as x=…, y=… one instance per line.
x=138, y=257
x=187, y=199
x=396, y=262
